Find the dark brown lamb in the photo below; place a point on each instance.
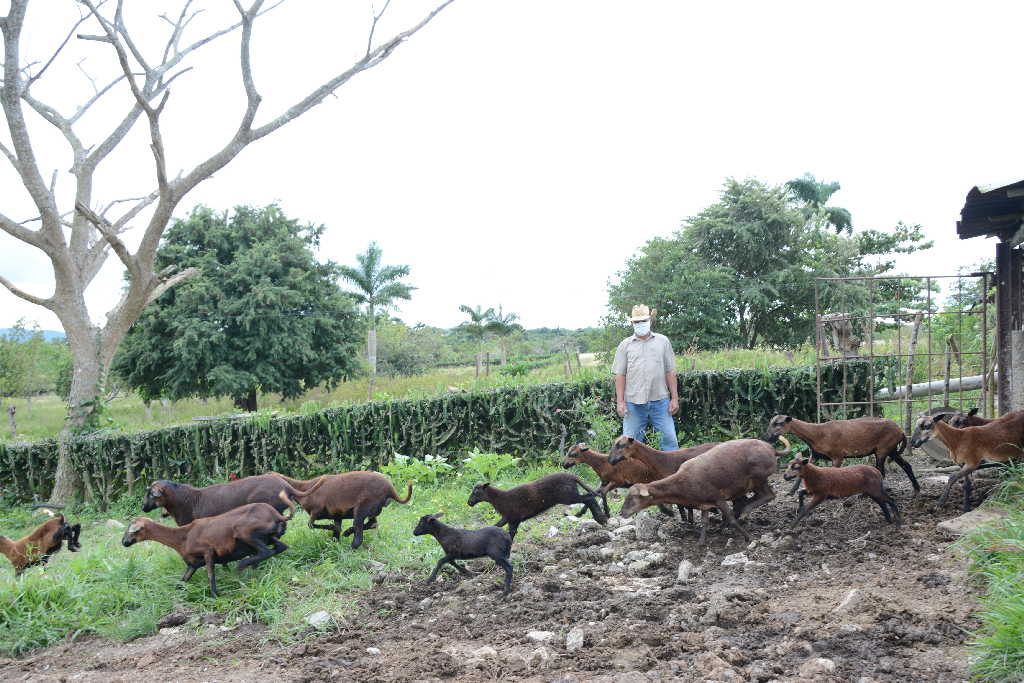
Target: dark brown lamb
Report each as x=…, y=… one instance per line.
x=526, y=501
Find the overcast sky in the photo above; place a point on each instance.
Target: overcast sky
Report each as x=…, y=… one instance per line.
x=518, y=152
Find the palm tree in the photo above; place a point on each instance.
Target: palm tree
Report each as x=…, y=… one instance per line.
x=503, y=326
x=477, y=328
x=813, y=194
x=378, y=287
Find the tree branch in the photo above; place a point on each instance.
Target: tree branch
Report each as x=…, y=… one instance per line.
x=110, y=235
x=368, y=61
x=22, y=294
x=169, y=280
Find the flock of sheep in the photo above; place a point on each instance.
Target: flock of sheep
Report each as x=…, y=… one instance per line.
x=243, y=520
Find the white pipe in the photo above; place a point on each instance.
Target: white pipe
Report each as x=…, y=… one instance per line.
x=937, y=387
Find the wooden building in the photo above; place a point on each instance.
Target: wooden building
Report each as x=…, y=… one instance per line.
x=998, y=211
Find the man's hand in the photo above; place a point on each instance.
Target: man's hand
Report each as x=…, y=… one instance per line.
x=621, y=407
x=673, y=406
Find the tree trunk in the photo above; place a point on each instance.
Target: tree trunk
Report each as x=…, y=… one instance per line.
x=371, y=354
x=85, y=384
x=247, y=403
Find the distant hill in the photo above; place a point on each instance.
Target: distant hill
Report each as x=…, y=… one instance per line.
x=48, y=335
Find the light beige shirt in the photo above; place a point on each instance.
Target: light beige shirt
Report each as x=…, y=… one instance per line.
x=645, y=362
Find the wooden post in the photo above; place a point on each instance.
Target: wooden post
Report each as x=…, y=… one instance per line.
x=1017, y=370
x=14, y=426
x=487, y=363
x=909, y=396
x=949, y=369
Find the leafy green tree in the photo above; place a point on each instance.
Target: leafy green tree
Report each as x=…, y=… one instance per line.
x=476, y=328
x=261, y=313
x=742, y=271
x=379, y=287
x=503, y=325
x=408, y=351
x=813, y=194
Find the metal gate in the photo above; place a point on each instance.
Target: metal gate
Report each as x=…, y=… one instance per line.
x=927, y=342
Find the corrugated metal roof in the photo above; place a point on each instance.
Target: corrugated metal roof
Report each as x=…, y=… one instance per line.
x=992, y=209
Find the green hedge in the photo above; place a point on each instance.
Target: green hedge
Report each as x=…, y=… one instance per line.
x=714, y=405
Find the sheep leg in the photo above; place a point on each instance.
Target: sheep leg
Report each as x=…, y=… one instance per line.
x=358, y=519
x=189, y=571
x=895, y=510
x=685, y=514
x=211, y=573
x=437, y=569
x=964, y=471
x=765, y=495
x=591, y=504
x=705, y=519
x=882, y=503
x=604, y=496
x=371, y=524
x=462, y=570
x=968, y=487
x=513, y=527
x=723, y=506
x=507, y=566
x=816, y=500
x=898, y=459
x=262, y=553
x=796, y=485
x=803, y=494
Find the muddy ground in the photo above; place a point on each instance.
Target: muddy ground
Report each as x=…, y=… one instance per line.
x=848, y=599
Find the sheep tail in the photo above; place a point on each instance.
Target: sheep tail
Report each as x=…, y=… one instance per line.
x=902, y=446
x=585, y=487
x=408, y=495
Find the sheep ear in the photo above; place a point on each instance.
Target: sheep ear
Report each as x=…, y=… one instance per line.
x=642, y=491
x=788, y=419
x=630, y=440
x=485, y=485
x=972, y=412
x=134, y=527
x=584, y=447
x=437, y=516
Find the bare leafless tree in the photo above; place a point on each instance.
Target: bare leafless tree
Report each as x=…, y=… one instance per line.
x=78, y=238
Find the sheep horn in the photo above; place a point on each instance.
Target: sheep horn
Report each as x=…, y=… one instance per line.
x=785, y=442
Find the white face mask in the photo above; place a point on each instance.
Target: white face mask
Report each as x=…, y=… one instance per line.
x=642, y=329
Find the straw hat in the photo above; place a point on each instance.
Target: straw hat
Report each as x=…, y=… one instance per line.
x=640, y=313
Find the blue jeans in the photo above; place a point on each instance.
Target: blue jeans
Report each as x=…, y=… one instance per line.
x=655, y=413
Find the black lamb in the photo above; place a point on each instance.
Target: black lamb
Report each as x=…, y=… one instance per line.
x=467, y=544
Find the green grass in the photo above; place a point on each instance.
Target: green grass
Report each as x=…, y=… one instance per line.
x=997, y=554
x=121, y=593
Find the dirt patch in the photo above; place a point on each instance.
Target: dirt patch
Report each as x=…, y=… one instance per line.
x=849, y=598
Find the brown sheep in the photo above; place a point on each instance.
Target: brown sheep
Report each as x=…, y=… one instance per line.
x=37, y=546
x=359, y=496
x=841, y=439
x=621, y=475
x=187, y=503
x=823, y=483
x=243, y=533
x=998, y=441
x=725, y=473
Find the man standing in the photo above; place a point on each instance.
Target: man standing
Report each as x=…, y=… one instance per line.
x=646, y=390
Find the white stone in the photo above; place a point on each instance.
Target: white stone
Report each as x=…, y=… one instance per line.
x=373, y=651
x=574, y=639
x=552, y=532
x=485, y=651
x=607, y=553
x=736, y=558
x=114, y=524
x=686, y=571
x=318, y=619
x=624, y=531
x=969, y=521
x=540, y=636
x=425, y=603
x=752, y=545
x=814, y=668
x=851, y=602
